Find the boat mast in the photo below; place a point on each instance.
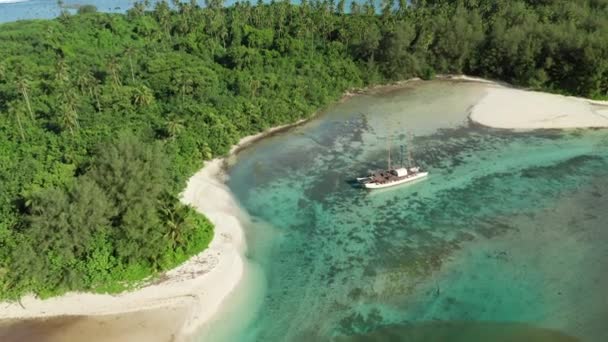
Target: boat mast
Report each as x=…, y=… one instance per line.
x=409, y=149
x=389, y=153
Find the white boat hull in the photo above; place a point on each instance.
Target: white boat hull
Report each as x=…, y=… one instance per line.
x=404, y=180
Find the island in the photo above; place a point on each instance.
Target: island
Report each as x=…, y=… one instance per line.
x=108, y=119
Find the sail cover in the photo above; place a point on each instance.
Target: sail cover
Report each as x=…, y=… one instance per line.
x=401, y=172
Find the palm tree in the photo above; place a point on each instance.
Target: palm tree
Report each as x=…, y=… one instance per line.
x=254, y=85
x=16, y=113
x=185, y=84
x=129, y=52
x=402, y=7
x=114, y=69
x=85, y=81
x=355, y=8
x=23, y=87
x=143, y=96
x=387, y=9
x=138, y=9
x=340, y=6
x=88, y=84
x=174, y=216
x=184, y=21
x=61, y=72
x=163, y=15
x=2, y=72
x=174, y=126
x=369, y=7
x=223, y=34
x=96, y=90
x=51, y=39
x=258, y=14
x=281, y=13
x=69, y=116
x=63, y=13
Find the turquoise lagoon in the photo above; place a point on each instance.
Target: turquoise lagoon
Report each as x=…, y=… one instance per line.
x=505, y=241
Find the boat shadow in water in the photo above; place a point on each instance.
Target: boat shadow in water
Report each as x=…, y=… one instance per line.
x=355, y=183
x=465, y=331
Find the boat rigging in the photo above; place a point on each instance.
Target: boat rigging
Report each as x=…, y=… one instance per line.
x=394, y=176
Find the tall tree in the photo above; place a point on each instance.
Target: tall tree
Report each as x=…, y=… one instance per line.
x=68, y=114
x=174, y=126
x=134, y=175
x=143, y=96
x=129, y=53
x=23, y=85
x=16, y=113
x=114, y=71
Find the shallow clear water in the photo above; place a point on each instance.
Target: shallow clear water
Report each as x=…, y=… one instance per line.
x=504, y=241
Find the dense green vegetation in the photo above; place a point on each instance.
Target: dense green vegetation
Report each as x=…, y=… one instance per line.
x=103, y=117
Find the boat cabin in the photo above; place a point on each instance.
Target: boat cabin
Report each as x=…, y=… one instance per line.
x=400, y=172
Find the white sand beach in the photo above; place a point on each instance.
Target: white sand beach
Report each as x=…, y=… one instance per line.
x=504, y=107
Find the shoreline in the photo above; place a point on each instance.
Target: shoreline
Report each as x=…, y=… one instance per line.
x=510, y=108
x=203, y=283
x=507, y=107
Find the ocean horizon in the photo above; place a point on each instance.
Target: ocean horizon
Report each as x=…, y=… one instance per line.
x=14, y=10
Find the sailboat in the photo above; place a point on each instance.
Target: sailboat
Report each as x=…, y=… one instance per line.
x=393, y=176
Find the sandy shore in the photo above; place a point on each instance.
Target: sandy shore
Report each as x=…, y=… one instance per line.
x=466, y=78
x=504, y=107
x=197, y=287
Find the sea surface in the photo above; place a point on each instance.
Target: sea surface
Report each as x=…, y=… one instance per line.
x=505, y=241
x=12, y=10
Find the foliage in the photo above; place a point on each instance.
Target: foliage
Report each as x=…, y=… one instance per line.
x=104, y=116
x=84, y=9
